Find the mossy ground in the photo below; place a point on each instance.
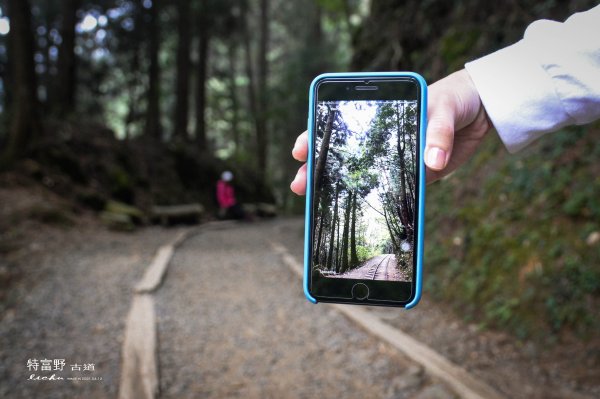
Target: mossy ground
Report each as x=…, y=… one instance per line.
x=508, y=236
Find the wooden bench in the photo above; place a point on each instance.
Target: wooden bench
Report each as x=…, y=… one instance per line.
x=172, y=213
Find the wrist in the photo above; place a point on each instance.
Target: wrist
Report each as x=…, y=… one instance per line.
x=473, y=113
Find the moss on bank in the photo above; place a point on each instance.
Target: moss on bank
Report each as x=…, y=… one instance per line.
x=510, y=238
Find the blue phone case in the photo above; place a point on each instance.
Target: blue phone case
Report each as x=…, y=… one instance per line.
x=310, y=177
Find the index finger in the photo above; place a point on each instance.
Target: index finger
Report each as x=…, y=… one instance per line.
x=300, y=151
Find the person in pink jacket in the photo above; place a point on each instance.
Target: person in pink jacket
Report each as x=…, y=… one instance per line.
x=228, y=205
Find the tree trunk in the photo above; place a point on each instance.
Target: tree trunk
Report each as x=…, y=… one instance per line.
x=404, y=211
x=261, y=117
x=6, y=75
x=153, y=125
x=66, y=79
x=234, y=100
x=346, y=234
x=314, y=36
x=182, y=71
x=320, y=168
x=338, y=252
x=410, y=175
x=317, y=254
x=132, y=90
x=391, y=231
x=353, y=254
x=25, y=122
x=324, y=150
x=252, y=102
x=203, y=53
x=330, y=262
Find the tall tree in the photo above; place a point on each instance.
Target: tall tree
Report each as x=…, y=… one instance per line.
x=67, y=77
x=25, y=121
x=203, y=47
x=5, y=74
x=317, y=254
x=353, y=254
x=153, y=125
x=404, y=208
x=346, y=233
x=249, y=66
x=338, y=254
x=132, y=87
x=261, y=116
x=333, y=225
x=182, y=70
x=319, y=170
x=231, y=55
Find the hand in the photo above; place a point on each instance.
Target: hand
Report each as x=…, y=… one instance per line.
x=457, y=122
x=300, y=152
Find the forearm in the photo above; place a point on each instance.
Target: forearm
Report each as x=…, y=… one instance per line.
x=548, y=80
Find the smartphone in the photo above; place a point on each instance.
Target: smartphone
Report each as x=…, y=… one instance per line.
x=365, y=189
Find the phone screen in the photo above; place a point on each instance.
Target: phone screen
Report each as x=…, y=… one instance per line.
x=365, y=188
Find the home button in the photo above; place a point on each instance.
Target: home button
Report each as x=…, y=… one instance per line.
x=360, y=291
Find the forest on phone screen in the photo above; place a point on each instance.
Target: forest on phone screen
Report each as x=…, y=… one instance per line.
x=365, y=185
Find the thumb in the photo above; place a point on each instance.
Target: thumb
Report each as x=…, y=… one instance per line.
x=440, y=134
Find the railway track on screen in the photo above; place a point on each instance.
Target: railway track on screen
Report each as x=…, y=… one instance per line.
x=372, y=272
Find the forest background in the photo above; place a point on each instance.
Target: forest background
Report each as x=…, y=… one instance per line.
x=147, y=102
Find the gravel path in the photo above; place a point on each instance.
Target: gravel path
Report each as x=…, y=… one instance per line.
x=233, y=323
x=568, y=369
x=70, y=303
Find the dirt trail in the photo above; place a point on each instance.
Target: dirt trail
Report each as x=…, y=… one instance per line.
x=70, y=303
x=233, y=322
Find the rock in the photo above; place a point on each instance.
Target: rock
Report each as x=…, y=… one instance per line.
x=436, y=391
x=115, y=207
x=117, y=221
x=410, y=380
x=249, y=208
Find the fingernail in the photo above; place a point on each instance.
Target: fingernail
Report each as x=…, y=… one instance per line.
x=436, y=158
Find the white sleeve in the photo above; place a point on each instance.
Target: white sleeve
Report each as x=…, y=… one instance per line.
x=549, y=79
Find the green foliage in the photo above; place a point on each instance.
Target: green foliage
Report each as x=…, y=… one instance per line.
x=365, y=252
x=117, y=207
x=506, y=236
x=456, y=44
